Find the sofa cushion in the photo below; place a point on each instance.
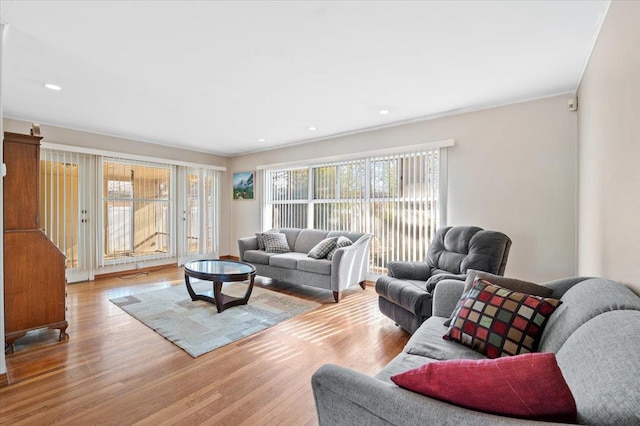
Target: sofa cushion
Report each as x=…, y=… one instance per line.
x=504, y=282
x=499, y=322
x=582, y=302
x=317, y=266
x=427, y=341
x=457, y=249
x=257, y=256
x=527, y=386
x=307, y=239
x=342, y=242
x=600, y=363
x=292, y=236
x=401, y=363
x=286, y=260
x=323, y=248
x=275, y=243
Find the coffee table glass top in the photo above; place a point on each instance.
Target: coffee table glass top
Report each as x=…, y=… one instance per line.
x=219, y=267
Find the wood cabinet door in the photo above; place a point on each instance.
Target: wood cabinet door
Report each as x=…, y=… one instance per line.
x=34, y=281
x=22, y=157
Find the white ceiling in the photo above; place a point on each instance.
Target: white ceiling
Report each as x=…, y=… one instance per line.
x=217, y=76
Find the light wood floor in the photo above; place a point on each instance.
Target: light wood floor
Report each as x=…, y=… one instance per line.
x=115, y=370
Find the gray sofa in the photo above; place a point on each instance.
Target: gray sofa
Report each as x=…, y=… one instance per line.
x=347, y=267
x=595, y=335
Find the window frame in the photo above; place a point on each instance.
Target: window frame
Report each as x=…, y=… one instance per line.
x=101, y=254
x=369, y=195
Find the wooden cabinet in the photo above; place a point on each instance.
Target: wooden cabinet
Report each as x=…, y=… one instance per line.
x=34, y=268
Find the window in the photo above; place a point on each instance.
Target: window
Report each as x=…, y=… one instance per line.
x=288, y=192
x=108, y=212
x=394, y=197
x=200, y=212
x=59, y=211
x=137, y=209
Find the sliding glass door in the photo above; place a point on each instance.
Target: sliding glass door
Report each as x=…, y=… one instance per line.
x=109, y=214
x=66, y=180
x=199, y=211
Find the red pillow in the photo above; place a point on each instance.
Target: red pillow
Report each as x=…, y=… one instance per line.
x=529, y=386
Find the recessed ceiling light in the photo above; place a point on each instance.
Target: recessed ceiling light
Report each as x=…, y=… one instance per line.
x=261, y=140
x=52, y=86
x=313, y=129
x=383, y=112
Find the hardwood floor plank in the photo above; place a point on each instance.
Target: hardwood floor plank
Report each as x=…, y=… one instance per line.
x=115, y=370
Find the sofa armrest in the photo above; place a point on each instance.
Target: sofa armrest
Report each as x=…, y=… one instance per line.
x=436, y=278
x=349, y=264
x=446, y=296
x=244, y=244
x=418, y=271
x=561, y=286
x=346, y=397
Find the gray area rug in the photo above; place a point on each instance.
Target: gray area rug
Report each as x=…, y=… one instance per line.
x=197, y=327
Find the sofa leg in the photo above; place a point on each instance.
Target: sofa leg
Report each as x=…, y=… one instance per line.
x=363, y=284
x=336, y=296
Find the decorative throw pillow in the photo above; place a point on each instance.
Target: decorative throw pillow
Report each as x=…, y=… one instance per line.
x=260, y=238
x=528, y=386
x=275, y=243
x=504, y=282
x=321, y=249
x=342, y=242
x=499, y=322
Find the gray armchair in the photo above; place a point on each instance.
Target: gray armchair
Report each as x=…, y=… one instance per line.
x=405, y=294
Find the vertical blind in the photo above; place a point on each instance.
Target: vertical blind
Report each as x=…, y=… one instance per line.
x=138, y=203
x=201, y=210
x=63, y=207
x=105, y=210
x=394, y=197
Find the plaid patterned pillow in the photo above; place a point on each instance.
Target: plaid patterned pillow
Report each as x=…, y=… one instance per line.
x=342, y=242
x=260, y=239
x=322, y=248
x=275, y=243
x=499, y=322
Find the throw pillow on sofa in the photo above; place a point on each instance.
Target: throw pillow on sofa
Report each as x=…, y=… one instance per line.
x=321, y=249
x=260, y=238
x=504, y=282
x=342, y=242
x=275, y=243
x=528, y=386
x=498, y=322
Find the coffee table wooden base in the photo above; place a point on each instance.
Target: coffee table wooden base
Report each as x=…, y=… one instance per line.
x=220, y=271
x=221, y=300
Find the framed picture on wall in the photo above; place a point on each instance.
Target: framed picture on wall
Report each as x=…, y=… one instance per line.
x=243, y=186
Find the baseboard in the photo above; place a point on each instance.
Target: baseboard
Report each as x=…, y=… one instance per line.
x=4, y=380
x=370, y=283
x=134, y=271
x=229, y=257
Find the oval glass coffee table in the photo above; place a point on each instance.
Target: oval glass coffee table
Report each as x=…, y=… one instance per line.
x=219, y=271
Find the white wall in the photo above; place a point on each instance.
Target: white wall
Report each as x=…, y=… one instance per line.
x=64, y=136
x=513, y=169
x=3, y=366
x=609, y=151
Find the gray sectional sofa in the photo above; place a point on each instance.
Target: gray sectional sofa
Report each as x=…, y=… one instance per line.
x=595, y=335
x=347, y=267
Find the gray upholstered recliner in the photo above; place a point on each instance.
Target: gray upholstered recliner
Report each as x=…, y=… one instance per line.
x=405, y=294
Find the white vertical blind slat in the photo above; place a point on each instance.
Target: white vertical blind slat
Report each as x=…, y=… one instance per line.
x=391, y=196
